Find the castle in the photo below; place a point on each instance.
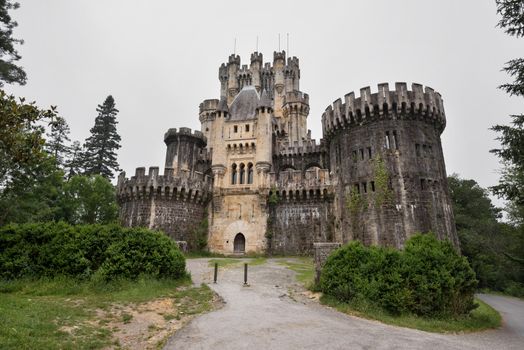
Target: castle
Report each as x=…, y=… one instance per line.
x=253, y=180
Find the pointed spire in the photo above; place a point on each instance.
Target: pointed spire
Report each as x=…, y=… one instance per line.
x=265, y=101
x=222, y=106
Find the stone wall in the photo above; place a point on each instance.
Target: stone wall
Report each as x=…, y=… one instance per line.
x=178, y=219
x=296, y=225
x=322, y=251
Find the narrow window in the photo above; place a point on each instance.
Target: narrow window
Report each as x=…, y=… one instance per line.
x=247, y=127
x=395, y=140
x=235, y=129
x=430, y=149
x=424, y=150
x=417, y=149
x=370, y=154
x=357, y=188
x=250, y=173
x=387, y=145
x=372, y=186
x=354, y=156
x=361, y=154
x=365, y=187
x=242, y=173
x=422, y=184
x=233, y=174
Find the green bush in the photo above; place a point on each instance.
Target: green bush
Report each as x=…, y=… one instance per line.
x=85, y=251
x=427, y=278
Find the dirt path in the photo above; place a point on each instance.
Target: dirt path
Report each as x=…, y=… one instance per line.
x=272, y=314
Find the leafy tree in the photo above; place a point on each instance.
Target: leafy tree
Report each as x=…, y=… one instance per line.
x=88, y=200
x=9, y=71
x=484, y=240
x=101, y=146
x=57, y=139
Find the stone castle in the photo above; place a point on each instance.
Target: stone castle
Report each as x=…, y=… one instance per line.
x=253, y=180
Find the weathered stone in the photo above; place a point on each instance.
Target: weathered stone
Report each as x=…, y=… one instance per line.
x=322, y=251
x=377, y=176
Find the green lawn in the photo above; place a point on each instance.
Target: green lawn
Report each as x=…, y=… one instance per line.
x=61, y=313
x=483, y=317
x=304, y=268
x=230, y=262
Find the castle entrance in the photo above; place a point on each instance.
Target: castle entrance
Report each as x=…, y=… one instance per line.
x=239, y=244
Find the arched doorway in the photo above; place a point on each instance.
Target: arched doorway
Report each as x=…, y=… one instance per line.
x=239, y=245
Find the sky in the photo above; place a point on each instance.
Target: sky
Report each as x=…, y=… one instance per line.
x=160, y=59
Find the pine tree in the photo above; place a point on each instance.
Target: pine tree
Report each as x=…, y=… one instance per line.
x=57, y=141
x=9, y=71
x=100, y=147
x=74, y=163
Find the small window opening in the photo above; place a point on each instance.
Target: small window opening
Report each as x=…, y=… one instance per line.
x=370, y=154
x=365, y=187
x=417, y=149
x=357, y=188
x=354, y=156
x=395, y=140
x=247, y=127
x=235, y=128
x=422, y=184
x=387, y=145
x=372, y=186
x=361, y=154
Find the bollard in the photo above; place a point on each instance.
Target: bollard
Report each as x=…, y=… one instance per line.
x=216, y=273
x=245, y=274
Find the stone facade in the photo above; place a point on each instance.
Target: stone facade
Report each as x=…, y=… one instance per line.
x=378, y=174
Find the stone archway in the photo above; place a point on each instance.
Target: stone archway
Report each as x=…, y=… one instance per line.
x=239, y=245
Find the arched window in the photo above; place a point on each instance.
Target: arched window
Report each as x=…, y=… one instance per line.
x=233, y=174
x=242, y=173
x=250, y=173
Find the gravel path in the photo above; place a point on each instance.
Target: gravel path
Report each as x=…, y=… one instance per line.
x=272, y=313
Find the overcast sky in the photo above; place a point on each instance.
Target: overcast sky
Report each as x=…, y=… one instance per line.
x=160, y=59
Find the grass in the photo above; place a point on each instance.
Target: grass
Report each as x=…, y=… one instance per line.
x=304, y=268
x=230, y=262
x=483, y=317
x=60, y=313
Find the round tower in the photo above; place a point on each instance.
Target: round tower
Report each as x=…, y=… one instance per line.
x=207, y=116
x=386, y=154
x=183, y=149
x=256, y=68
x=232, y=83
x=279, y=62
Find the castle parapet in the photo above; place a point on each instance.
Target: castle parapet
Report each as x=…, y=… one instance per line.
x=173, y=133
x=296, y=97
x=182, y=186
x=419, y=103
x=297, y=185
x=308, y=146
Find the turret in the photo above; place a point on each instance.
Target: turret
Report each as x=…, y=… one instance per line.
x=183, y=149
x=232, y=83
x=256, y=66
x=292, y=75
x=264, y=112
x=279, y=61
x=207, y=115
x=219, y=151
x=295, y=111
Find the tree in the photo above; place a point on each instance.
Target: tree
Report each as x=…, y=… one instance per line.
x=75, y=162
x=511, y=137
x=100, y=147
x=484, y=240
x=9, y=71
x=88, y=200
x=57, y=139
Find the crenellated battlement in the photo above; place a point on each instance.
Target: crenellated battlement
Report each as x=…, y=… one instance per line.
x=235, y=59
x=183, y=186
x=308, y=146
x=256, y=57
x=419, y=103
x=298, y=185
x=172, y=134
x=279, y=56
x=296, y=97
x=208, y=105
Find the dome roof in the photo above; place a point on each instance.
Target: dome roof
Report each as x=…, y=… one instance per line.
x=244, y=105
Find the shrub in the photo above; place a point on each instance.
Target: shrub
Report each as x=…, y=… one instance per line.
x=427, y=278
x=107, y=251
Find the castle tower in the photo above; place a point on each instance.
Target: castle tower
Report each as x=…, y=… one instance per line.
x=279, y=62
x=264, y=139
x=184, y=149
x=386, y=153
x=295, y=111
x=207, y=116
x=232, y=82
x=219, y=154
x=256, y=70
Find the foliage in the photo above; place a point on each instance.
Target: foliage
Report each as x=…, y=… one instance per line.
x=354, y=202
x=485, y=241
x=381, y=176
x=88, y=251
x=511, y=137
x=9, y=71
x=427, y=278
x=273, y=197
x=200, y=233
x=88, y=200
x=57, y=138
x=75, y=162
x=101, y=146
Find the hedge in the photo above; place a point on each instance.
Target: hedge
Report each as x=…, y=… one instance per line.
x=427, y=278
x=86, y=251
